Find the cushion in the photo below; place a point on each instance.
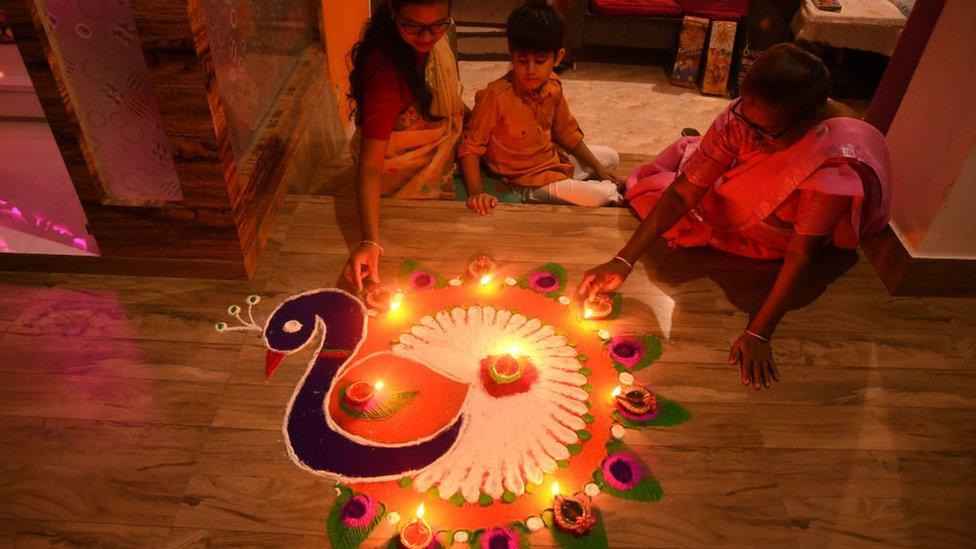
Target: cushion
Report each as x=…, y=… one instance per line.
x=492, y=185
x=653, y=8
x=726, y=10
x=905, y=6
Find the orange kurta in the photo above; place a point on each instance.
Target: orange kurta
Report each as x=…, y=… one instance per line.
x=516, y=133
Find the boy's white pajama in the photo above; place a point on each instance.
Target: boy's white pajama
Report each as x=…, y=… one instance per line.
x=580, y=190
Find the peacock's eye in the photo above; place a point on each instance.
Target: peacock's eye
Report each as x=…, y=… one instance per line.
x=292, y=326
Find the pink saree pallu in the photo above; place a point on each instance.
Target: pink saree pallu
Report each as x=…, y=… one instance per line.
x=733, y=214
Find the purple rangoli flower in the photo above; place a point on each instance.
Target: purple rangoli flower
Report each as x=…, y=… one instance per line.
x=627, y=351
x=359, y=511
x=543, y=281
x=422, y=280
x=622, y=471
x=499, y=538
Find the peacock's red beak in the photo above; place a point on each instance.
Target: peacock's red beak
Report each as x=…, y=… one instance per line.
x=272, y=361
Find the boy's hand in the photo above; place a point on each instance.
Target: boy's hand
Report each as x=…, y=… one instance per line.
x=482, y=202
x=611, y=175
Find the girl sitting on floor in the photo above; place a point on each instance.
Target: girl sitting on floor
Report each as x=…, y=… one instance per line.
x=406, y=94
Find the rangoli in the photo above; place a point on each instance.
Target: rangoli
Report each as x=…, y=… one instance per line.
x=471, y=410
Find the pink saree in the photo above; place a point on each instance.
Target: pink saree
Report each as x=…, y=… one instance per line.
x=752, y=192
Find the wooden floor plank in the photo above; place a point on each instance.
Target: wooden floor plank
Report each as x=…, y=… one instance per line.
x=125, y=358
x=875, y=474
x=96, y=318
x=817, y=386
x=198, y=537
x=110, y=398
x=252, y=406
x=51, y=533
x=259, y=504
x=873, y=522
x=87, y=471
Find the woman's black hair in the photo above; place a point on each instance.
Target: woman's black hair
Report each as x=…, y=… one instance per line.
x=787, y=77
x=381, y=34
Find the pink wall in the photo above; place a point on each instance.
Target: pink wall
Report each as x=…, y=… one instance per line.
x=39, y=210
x=933, y=138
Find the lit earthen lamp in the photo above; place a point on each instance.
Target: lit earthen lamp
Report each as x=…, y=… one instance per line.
x=417, y=534
x=598, y=306
x=359, y=393
x=482, y=269
x=635, y=401
x=505, y=369
x=382, y=298
x=508, y=374
x=572, y=514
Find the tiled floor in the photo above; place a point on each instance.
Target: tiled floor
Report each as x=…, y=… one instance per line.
x=633, y=109
x=39, y=209
x=630, y=108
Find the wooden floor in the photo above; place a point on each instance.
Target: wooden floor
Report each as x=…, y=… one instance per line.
x=126, y=420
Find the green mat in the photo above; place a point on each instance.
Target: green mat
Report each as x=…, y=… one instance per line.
x=493, y=186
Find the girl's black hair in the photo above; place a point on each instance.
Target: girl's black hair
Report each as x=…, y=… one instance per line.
x=381, y=34
x=788, y=77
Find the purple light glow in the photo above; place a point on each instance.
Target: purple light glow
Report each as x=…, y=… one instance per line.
x=37, y=224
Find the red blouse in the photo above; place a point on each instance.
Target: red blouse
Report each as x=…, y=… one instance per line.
x=386, y=95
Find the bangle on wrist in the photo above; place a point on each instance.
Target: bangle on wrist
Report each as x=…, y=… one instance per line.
x=376, y=244
x=624, y=261
x=757, y=336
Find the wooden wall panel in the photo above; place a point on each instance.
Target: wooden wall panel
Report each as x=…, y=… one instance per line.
x=202, y=227
x=905, y=275
x=222, y=223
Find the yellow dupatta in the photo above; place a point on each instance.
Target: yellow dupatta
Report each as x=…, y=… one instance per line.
x=420, y=160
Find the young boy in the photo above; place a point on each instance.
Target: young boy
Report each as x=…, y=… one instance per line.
x=519, y=120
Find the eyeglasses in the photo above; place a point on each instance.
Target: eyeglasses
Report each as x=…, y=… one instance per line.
x=416, y=29
x=764, y=133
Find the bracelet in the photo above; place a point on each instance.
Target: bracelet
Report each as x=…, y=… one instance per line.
x=374, y=243
x=757, y=336
x=625, y=262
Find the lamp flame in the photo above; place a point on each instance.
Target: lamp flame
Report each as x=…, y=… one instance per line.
x=485, y=279
x=420, y=511
x=616, y=392
x=555, y=488
x=379, y=385
x=396, y=301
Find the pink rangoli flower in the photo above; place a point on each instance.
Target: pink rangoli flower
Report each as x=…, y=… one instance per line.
x=422, y=280
x=359, y=512
x=628, y=351
x=622, y=471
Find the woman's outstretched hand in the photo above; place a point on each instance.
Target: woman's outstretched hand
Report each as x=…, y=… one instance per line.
x=363, y=263
x=755, y=359
x=604, y=278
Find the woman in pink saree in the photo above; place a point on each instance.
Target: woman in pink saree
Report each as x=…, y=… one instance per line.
x=775, y=177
